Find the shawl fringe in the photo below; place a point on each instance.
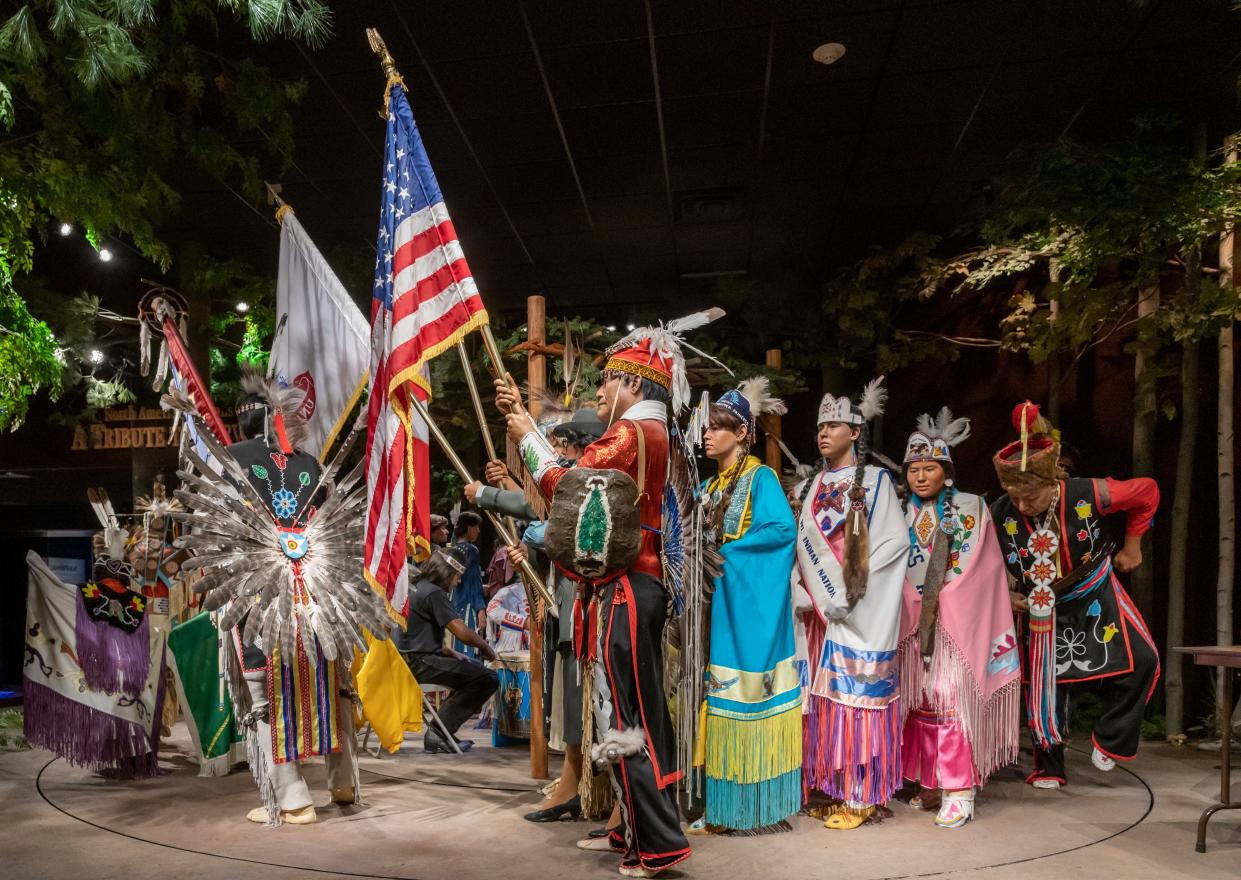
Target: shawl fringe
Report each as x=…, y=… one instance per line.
x=747, y=752
x=950, y=686
x=753, y=768
x=113, y=661
x=87, y=737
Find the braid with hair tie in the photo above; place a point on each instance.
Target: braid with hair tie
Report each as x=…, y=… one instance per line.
x=857, y=492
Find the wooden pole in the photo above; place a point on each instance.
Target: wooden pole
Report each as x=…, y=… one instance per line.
x=536, y=332
x=536, y=362
x=771, y=422
x=468, y=369
x=536, y=590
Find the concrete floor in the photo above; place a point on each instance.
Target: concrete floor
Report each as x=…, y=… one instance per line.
x=440, y=817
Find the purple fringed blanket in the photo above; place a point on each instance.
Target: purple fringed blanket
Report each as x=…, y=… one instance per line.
x=63, y=712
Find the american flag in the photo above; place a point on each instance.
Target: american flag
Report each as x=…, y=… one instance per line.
x=424, y=301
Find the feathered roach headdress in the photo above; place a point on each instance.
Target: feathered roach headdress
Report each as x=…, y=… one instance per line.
x=751, y=399
x=261, y=392
x=655, y=353
x=934, y=439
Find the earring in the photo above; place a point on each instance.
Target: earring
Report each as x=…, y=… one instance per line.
x=948, y=482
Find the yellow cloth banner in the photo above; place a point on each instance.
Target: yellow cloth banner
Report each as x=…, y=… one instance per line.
x=391, y=699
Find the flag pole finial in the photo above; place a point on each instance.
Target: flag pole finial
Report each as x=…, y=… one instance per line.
x=380, y=48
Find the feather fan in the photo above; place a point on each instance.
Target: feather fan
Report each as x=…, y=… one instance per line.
x=238, y=545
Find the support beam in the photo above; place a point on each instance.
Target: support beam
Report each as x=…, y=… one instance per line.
x=772, y=422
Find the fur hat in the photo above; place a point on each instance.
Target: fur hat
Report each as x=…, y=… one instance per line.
x=1033, y=461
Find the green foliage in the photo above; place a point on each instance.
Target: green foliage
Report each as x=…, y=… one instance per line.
x=229, y=282
x=102, y=393
x=866, y=309
x=11, y=736
x=117, y=109
x=1085, y=230
x=30, y=359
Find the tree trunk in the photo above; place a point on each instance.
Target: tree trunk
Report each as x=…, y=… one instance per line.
x=1054, y=369
x=1174, y=683
x=1226, y=463
x=1143, y=579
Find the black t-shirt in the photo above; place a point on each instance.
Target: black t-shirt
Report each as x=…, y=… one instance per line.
x=430, y=610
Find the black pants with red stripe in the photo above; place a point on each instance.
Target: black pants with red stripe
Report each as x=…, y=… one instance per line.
x=631, y=652
x=1119, y=729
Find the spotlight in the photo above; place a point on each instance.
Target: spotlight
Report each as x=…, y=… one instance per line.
x=66, y=228
x=242, y=307
x=631, y=326
x=96, y=356
x=105, y=255
x=611, y=328
x=829, y=53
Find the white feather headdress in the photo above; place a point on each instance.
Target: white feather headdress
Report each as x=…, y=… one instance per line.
x=840, y=409
x=757, y=392
x=935, y=438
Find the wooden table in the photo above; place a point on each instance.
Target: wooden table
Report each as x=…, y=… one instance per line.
x=1225, y=658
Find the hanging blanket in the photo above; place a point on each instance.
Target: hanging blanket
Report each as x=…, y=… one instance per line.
x=194, y=657
x=63, y=713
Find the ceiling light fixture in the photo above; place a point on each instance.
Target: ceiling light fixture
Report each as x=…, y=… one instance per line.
x=66, y=228
x=829, y=53
x=105, y=255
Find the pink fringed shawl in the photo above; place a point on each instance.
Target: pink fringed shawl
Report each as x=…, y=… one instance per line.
x=975, y=671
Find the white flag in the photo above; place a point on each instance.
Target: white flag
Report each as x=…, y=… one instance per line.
x=322, y=342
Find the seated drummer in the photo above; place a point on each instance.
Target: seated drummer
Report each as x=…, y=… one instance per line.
x=422, y=645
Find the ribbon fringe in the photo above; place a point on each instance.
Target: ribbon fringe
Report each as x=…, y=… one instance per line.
x=748, y=752
x=112, y=660
x=851, y=753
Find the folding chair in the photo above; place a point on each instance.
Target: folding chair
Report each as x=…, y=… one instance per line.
x=429, y=709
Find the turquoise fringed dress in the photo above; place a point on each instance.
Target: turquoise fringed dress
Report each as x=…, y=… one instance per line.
x=752, y=751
